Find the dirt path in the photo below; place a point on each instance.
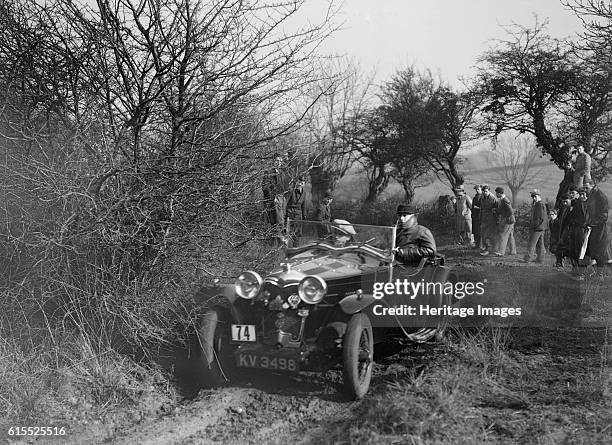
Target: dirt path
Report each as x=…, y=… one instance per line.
x=311, y=408
x=267, y=409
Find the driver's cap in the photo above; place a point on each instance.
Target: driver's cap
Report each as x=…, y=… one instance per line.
x=404, y=209
x=343, y=226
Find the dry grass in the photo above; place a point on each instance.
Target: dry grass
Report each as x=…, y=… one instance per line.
x=485, y=386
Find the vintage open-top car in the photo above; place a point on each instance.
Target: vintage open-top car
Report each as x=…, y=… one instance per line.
x=319, y=308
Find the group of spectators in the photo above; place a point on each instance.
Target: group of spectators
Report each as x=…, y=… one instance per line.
x=283, y=198
x=577, y=224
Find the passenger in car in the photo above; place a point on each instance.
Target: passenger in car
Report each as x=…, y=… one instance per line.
x=413, y=242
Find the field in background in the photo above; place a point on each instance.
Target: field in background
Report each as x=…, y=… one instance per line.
x=476, y=171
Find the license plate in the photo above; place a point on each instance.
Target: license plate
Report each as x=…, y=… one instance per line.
x=246, y=360
x=243, y=332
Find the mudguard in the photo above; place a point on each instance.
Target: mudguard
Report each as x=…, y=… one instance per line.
x=219, y=290
x=351, y=304
x=220, y=296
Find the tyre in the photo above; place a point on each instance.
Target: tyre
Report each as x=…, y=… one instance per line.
x=214, y=353
x=358, y=355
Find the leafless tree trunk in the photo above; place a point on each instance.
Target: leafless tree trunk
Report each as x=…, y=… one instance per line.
x=513, y=161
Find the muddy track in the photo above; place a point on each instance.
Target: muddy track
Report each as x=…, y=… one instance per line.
x=269, y=408
x=263, y=408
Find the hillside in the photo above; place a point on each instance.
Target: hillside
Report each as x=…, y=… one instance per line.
x=475, y=170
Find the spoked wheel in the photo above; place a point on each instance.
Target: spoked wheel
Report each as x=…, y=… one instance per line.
x=358, y=355
x=214, y=348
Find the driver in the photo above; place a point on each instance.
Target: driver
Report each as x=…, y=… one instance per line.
x=343, y=232
x=413, y=241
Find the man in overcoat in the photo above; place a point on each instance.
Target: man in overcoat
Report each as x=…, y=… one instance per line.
x=596, y=219
x=538, y=224
x=413, y=242
x=505, y=223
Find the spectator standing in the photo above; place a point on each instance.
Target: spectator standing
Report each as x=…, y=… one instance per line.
x=324, y=215
x=463, y=216
x=582, y=167
x=296, y=208
x=488, y=224
x=597, y=218
x=537, y=226
x=296, y=202
x=505, y=223
x=554, y=225
x=275, y=189
x=476, y=215
x=565, y=207
x=576, y=227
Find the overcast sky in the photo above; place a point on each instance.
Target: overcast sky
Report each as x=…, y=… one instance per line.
x=446, y=36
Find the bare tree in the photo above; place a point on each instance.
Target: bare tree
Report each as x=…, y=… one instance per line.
x=551, y=89
x=432, y=120
x=514, y=164
x=136, y=131
x=343, y=93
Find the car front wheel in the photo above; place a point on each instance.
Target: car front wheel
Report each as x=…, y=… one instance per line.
x=214, y=348
x=357, y=355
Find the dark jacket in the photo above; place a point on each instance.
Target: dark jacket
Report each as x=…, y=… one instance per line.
x=476, y=207
x=296, y=204
x=488, y=208
x=414, y=243
x=555, y=233
x=539, y=217
x=577, y=215
x=505, y=213
x=597, y=208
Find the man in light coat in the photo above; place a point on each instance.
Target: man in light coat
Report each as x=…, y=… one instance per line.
x=582, y=167
x=505, y=223
x=463, y=216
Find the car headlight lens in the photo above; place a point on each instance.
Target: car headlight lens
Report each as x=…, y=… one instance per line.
x=312, y=289
x=248, y=284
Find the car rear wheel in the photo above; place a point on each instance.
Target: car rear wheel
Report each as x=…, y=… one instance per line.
x=357, y=355
x=214, y=356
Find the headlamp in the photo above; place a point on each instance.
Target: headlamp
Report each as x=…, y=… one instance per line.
x=312, y=289
x=248, y=284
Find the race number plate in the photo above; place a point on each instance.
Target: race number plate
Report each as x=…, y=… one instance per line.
x=246, y=360
x=243, y=332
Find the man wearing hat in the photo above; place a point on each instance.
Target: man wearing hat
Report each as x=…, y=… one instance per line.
x=324, y=215
x=296, y=201
x=538, y=224
x=576, y=221
x=413, y=242
x=476, y=214
x=505, y=223
x=275, y=187
x=343, y=232
x=296, y=208
x=597, y=218
x=463, y=216
x=488, y=223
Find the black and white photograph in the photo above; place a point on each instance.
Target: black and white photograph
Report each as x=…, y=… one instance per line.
x=305, y=222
